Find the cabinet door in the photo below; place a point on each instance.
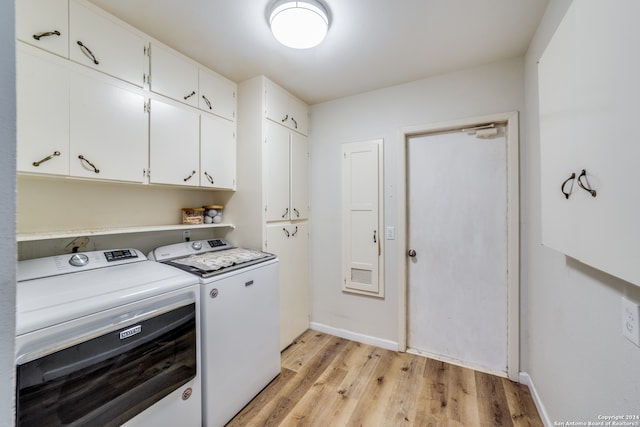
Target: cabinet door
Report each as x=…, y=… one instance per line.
x=173, y=145
x=299, y=179
x=217, y=153
x=45, y=24
x=217, y=95
x=291, y=244
x=277, y=172
x=173, y=76
x=299, y=116
x=277, y=104
x=588, y=112
x=42, y=112
x=109, y=129
x=101, y=42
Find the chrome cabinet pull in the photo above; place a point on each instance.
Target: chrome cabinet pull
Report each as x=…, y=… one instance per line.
x=295, y=211
x=190, y=176
x=207, y=101
x=87, y=52
x=571, y=178
x=587, y=186
x=411, y=253
x=85, y=161
x=46, y=34
x=286, y=117
x=193, y=92
x=209, y=177
x=286, y=232
x=286, y=212
x=55, y=154
x=295, y=232
x=295, y=123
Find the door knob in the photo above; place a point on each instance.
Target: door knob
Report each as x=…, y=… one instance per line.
x=411, y=253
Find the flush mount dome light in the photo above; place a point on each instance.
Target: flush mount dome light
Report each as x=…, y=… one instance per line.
x=299, y=24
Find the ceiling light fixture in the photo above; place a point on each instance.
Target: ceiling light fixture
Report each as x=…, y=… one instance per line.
x=299, y=24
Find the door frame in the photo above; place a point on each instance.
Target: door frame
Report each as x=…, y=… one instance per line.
x=510, y=119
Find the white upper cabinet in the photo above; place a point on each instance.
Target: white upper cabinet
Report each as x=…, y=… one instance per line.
x=588, y=97
x=99, y=41
x=106, y=142
x=299, y=179
x=174, y=145
x=287, y=158
x=217, y=153
x=42, y=112
x=217, y=95
x=173, y=75
x=45, y=24
x=277, y=173
x=284, y=109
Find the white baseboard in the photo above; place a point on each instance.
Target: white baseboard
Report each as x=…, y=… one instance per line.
x=364, y=339
x=525, y=379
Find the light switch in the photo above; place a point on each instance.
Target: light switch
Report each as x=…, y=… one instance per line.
x=391, y=233
x=630, y=316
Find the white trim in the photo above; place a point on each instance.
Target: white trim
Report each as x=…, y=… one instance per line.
x=513, y=227
x=526, y=379
x=361, y=338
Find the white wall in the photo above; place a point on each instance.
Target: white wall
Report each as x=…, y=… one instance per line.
x=493, y=88
x=7, y=209
x=578, y=359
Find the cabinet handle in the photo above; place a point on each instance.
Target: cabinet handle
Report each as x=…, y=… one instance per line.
x=375, y=239
x=571, y=178
x=583, y=186
x=209, y=177
x=295, y=211
x=295, y=124
x=46, y=34
x=55, y=154
x=189, y=177
x=207, y=101
x=286, y=212
x=286, y=117
x=193, y=92
x=88, y=53
x=286, y=232
x=85, y=161
x=295, y=232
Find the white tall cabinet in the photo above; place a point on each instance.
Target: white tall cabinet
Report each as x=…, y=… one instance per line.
x=271, y=206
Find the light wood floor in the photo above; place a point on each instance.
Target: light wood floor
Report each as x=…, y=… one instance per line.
x=332, y=382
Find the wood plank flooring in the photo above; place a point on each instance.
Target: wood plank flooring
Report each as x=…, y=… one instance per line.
x=332, y=382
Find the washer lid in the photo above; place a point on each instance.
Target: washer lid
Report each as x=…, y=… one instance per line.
x=56, y=299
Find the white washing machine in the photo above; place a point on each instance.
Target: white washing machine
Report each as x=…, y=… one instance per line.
x=106, y=338
x=240, y=321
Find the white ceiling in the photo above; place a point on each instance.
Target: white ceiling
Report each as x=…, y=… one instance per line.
x=371, y=43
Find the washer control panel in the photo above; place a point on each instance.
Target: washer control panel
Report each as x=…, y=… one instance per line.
x=70, y=263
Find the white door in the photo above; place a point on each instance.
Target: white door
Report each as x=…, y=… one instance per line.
x=277, y=168
x=457, y=226
x=217, y=153
x=290, y=242
x=174, y=145
x=299, y=191
x=109, y=131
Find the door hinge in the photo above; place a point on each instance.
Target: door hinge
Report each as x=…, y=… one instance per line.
x=147, y=106
x=147, y=50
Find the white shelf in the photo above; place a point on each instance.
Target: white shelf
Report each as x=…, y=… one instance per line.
x=25, y=237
